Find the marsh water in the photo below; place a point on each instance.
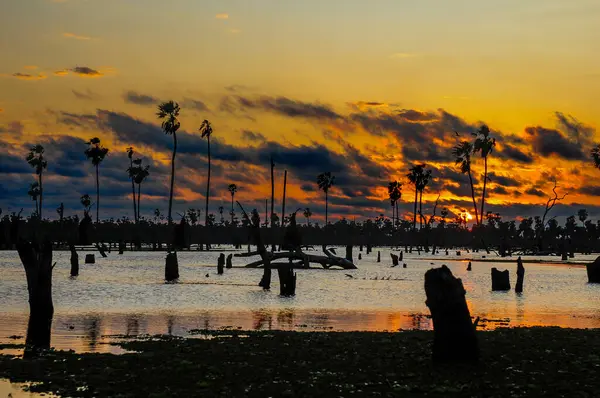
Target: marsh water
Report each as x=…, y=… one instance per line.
x=125, y=295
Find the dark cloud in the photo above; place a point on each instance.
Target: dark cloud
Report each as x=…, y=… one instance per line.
x=309, y=187
x=511, y=152
x=505, y=181
x=14, y=128
x=253, y=136
x=280, y=105
x=197, y=105
x=548, y=142
x=535, y=192
x=133, y=97
x=593, y=190
x=87, y=95
x=574, y=129
x=86, y=71
x=499, y=190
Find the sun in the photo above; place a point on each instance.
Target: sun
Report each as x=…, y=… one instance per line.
x=468, y=216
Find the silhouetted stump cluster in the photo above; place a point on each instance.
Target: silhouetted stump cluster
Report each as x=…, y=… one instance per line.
x=593, y=271
x=37, y=261
x=520, y=275
x=171, y=267
x=454, y=333
x=500, y=280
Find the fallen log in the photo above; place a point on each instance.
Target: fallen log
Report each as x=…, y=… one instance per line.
x=325, y=261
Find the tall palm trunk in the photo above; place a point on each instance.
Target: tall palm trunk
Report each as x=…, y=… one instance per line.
x=232, y=208
x=207, y=183
x=473, y=197
x=326, y=207
x=37, y=207
x=415, y=212
x=138, y=199
x=397, y=216
x=393, y=215
x=272, y=193
x=484, y=185
x=135, y=215
x=41, y=194
x=421, y=209
x=97, y=196
x=172, y=177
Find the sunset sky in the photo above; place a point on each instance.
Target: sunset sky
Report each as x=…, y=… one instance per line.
x=363, y=89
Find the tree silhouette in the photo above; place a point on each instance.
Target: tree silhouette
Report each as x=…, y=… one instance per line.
x=395, y=193
x=484, y=144
x=419, y=177
x=232, y=188
x=596, y=156
x=132, y=178
x=96, y=153
x=462, y=156
x=206, y=130
x=307, y=213
x=35, y=158
x=35, y=192
x=86, y=202
x=168, y=113
x=325, y=182
x=582, y=214
x=141, y=173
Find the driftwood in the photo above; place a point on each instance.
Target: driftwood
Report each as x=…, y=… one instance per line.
x=38, y=270
x=593, y=271
x=520, y=276
x=454, y=333
x=500, y=280
x=327, y=261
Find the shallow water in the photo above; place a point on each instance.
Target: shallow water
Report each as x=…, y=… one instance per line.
x=125, y=295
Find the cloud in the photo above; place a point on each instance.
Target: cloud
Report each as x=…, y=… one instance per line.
x=222, y=16
x=550, y=142
x=282, y=106
x=62, y=72
x=75, y=36
x=535, y=192
x=27, y=76
x=511, y=152
x=88, y=95
x=133, y=97
x=505, y=181
x=14, y=128
x=253, y=136
x=85, y=71
x=194, y=104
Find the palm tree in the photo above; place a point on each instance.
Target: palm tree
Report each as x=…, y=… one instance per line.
x=232, y=188
x=35, y=192
x=168, y=113
x=395, y=193
x=414, y=177
x=596, y=156
x=307, y=213
x=484, y=144
x=462, y=155
x=96, y=153
x=35, y=158
x=325, y=181
x=132, y=178
x=86, y=202
x=582, y=214
x=140, y=175
x=423, y=182
x=206, y=130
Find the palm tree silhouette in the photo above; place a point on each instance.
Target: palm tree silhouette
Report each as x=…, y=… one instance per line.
x=596, y=156
x=325, y=181
x=35, y=158
x=86, y=202
x=307, y=213
x=206, y=130
x=582, y=214
x=132, y=178
x=424, y=181
x=141, y=174
x=168, y=113
x=96, y=153
x=395, y=193
x=232, y=188
x=484, y=144
x=462, y=156
x=35, y=192
x=417, y=176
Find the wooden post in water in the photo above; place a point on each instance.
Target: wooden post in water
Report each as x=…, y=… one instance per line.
x=454, y=333
x=520, y=275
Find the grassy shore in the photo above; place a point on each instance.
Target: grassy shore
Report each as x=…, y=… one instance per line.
x=549, y=362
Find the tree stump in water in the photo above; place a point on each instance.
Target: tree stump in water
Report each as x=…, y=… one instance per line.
x=401, y=256
x=360, y=249
x=593, y=271
x=90, y=259
x=458, y=252
x=229, y=263
x=369, y=249
x=520, y=276
x=349, y=253
x=469, y=267
x=171, y=267
x=394, y=259
x=446, y=252
x=564, y=256
x=38, y=270
x=500, y=280
x=378, y=257
x=121, y=247
x=287, y=280
x=74, y=261
x=221, y=264
x=360, y=256
x=454, y=333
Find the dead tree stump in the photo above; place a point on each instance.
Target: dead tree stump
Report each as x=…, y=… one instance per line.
x=401, y=256
x=221, y=264
x=360, y=256
x=593, y=271
x=121, y=247
x=520, y=276
x=378, y=257
x=500, y=280
x=90, y=259
x=74, y=261
x=38, y=270
x=394, y=259
x=171, y=267
x=454, y=333
x=287, y=280
x=469, y=267
x=229, y=263
x=349, y=253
